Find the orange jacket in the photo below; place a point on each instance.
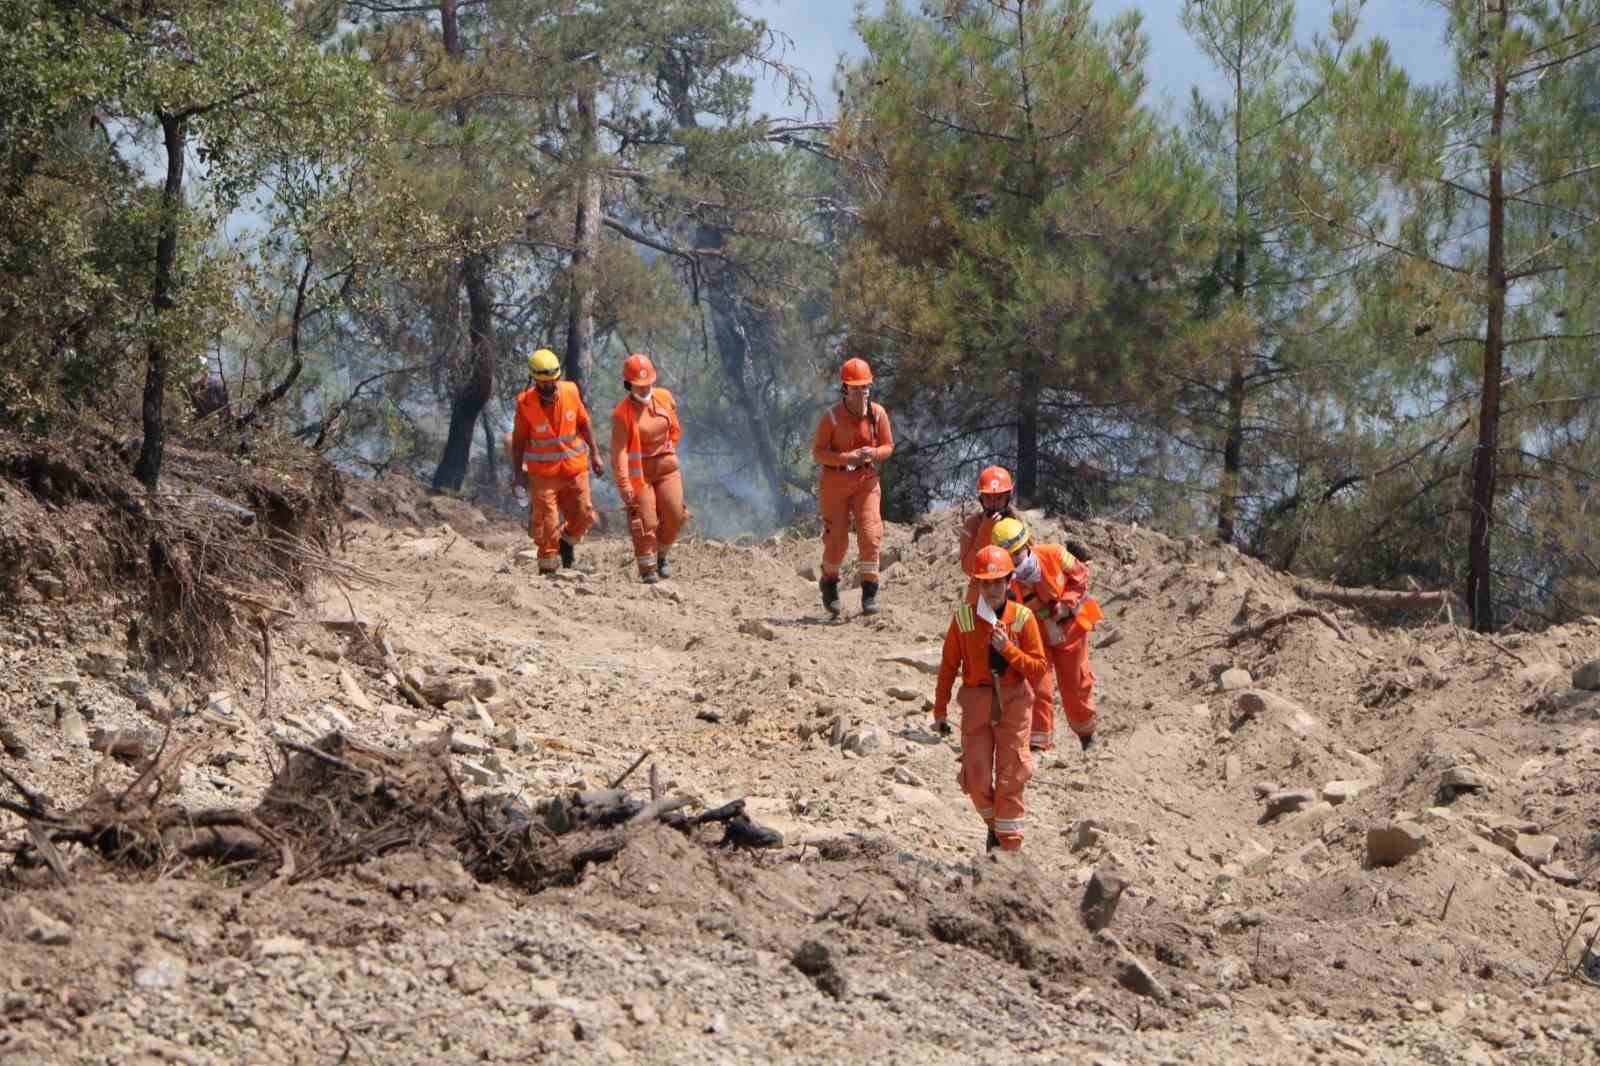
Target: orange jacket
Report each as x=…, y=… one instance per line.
x=839, y=431
x=966, y=650
x=1063, y=580
x=627, y=454
x=550, y=439
x=975, y=535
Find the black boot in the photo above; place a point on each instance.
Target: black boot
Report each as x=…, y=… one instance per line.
x=830, y=594
x=648, y=577
x=1086, y=742
x=567, y=553
x=992, y=842
x=869, y=597
x=663, y=567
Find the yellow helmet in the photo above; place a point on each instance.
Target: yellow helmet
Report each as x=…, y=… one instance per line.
x=545, y=365
x=1010, y=534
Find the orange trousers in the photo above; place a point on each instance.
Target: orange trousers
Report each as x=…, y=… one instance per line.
x=1071, y=675
x=661, y=511
x=995, y=761
x=559, y=510
x=851, y=495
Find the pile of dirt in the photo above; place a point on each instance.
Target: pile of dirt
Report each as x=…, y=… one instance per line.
x=196, y=566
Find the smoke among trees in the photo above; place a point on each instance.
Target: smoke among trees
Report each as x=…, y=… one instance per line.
x=1336, y=318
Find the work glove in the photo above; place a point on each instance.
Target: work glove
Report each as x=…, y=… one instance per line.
x=941, y=726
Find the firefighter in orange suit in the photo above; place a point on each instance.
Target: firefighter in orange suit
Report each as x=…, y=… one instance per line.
x=993, y=642
x=553, y=442
x=1055, y=584
x=852, y=439
x=644, y=438
x=994, y=501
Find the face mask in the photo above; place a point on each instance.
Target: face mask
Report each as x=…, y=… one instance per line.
x=1028, y=570
x=642, y=399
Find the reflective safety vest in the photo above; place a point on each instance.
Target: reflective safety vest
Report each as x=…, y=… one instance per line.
x=554, y=447
x=966, y=650
x=1063, y=579
x=967, y=617
x=625, y=426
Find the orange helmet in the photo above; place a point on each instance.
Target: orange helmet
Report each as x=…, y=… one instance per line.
x=638, y=370
x=855, y=372
x=994, y=479
x=993, y=562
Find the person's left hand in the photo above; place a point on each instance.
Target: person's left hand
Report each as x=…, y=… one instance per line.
x=597, y=466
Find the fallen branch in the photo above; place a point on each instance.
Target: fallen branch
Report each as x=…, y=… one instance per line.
x=1379, y=599
x=1239, y=636
x=1507, y=650
x=625, y=774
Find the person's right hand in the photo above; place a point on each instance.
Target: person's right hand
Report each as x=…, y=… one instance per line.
x=941, y=726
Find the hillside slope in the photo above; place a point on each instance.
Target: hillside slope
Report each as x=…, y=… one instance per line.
x=1239, y=938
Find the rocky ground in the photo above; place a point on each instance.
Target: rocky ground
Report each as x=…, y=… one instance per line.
x=1341, y=841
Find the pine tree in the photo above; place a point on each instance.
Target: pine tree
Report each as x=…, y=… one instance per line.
x=1491, y=207
x=1019, y=217
x=1264, y=306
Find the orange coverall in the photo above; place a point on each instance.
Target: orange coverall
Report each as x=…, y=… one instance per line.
x=644, y=458
x=548, y=440
x=1063, y=581
x=995, y=761
x=850, y=491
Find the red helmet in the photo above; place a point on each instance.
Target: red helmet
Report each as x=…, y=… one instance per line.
x=993, y=562
x=994, y=479
x=855, y=372
x=638, y=370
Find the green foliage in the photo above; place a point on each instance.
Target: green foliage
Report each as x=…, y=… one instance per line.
x=1022, y=226
x=1486, y=211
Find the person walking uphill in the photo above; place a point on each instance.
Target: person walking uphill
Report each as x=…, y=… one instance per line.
x=1051, y=581
x=852, y=439
x=994, y=644
x=644, y=438
x=994, y=499
x=552, y=440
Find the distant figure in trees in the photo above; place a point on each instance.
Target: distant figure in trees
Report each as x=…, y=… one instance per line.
x=208, y=394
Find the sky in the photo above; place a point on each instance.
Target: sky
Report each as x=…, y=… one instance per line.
x=821, y=31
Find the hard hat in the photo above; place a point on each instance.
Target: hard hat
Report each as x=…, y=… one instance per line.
x=545, y=365
x=994, y=479
x=855, y=372
x=992, y=563
x=1010, y=534
x=638, y=370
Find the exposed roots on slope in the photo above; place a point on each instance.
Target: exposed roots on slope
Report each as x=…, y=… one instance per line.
x=211, y=561
x=339, y=803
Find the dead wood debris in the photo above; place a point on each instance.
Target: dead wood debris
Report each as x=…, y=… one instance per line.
x=338, y=802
